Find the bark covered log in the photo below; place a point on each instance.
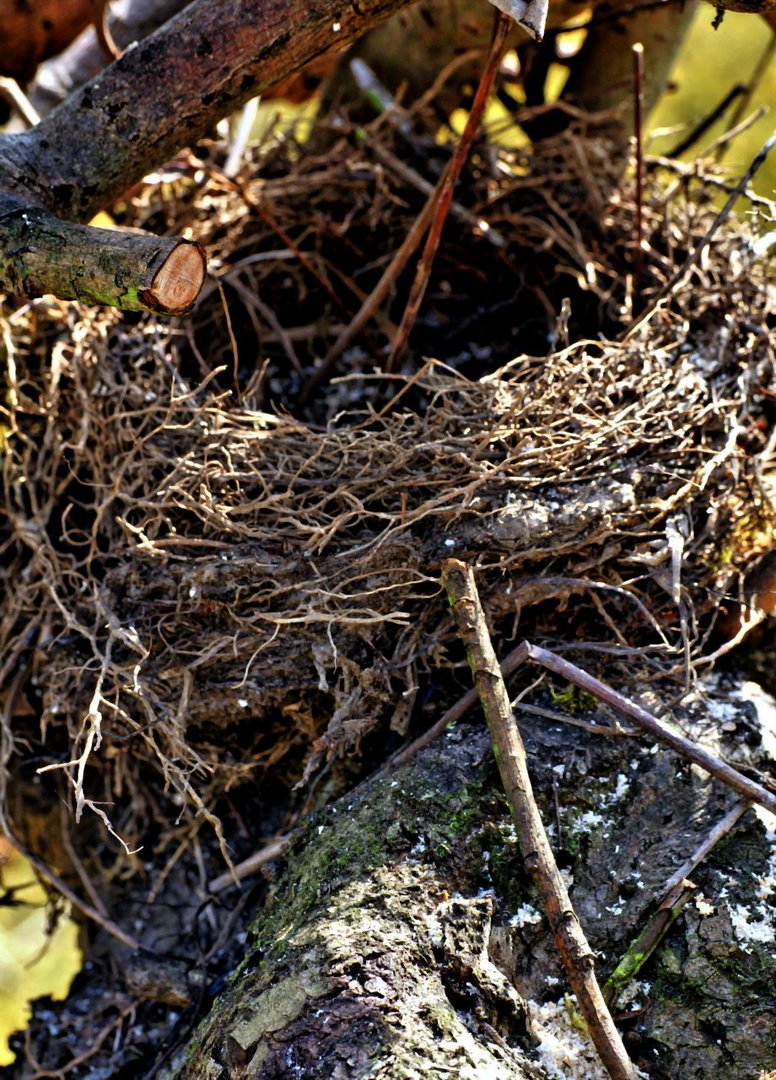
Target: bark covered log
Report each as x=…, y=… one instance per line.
x=398, y=940
x=132, y=271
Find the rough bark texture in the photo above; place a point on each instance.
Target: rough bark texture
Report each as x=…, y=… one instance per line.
x=167, y=92
x=391, y=947
x=132, y=271
x=128, y=21
x=158, y=97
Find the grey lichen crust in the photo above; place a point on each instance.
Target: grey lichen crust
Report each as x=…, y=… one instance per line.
x=363, y=965
x=397, y=943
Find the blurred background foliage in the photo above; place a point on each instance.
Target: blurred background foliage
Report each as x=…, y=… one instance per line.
x=710, y=64
x=39, y=952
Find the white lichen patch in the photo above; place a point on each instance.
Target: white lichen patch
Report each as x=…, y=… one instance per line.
x=598, y=820
x=755, y=924
x=588, y=822
x=526, y=915
x=565, y=1051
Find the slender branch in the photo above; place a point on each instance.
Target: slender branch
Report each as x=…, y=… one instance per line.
x=444, y=196
x=249, y=866
x=645, y=944
x=458, y=581
x=638, y=129
x=721, y=829
x=12, y=93
x=682, y=745
x=672, y=898
x=158, y=97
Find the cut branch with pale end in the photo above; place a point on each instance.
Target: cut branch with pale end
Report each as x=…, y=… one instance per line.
x=164, y=94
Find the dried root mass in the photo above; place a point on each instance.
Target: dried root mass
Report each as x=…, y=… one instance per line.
x=205, y=586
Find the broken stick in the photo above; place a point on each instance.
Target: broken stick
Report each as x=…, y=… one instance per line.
x=577, y=955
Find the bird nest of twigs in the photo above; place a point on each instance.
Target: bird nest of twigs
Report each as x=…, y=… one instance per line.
x=221, y=548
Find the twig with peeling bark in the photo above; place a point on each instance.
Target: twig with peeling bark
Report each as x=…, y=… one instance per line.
x=458, y=581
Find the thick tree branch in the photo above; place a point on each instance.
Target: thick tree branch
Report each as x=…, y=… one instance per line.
x=169, y=91
x=161, y=95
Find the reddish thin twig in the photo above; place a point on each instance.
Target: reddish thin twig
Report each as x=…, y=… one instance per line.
x=577, y=955
x=445, y=193
x=638, y=127
x=377, y=295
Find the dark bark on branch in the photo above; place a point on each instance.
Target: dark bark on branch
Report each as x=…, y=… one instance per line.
x=128, y=21
x=169, y=91
x=158, y=97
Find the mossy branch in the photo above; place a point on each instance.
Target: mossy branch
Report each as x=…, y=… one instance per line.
x=40, y=254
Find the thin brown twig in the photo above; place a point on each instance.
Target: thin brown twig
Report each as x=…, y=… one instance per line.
x=445, y=194
x=645, y=944
x=700, y=129
x=671, y=899
x=679, y=743
x=753, y=82
x=410, y=176
x=249, y=866
x=577, y=955
x=368, y=309
x=721, y=829
x=638, y=127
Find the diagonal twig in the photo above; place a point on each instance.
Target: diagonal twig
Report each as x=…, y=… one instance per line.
x=680, y=743
x=445, y=195
x=671, y=899
x=577, y=955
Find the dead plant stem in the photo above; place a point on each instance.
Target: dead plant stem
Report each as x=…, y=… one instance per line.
x=444, y=197
x=638, y=127
x=577, y=955
x=699, y=248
